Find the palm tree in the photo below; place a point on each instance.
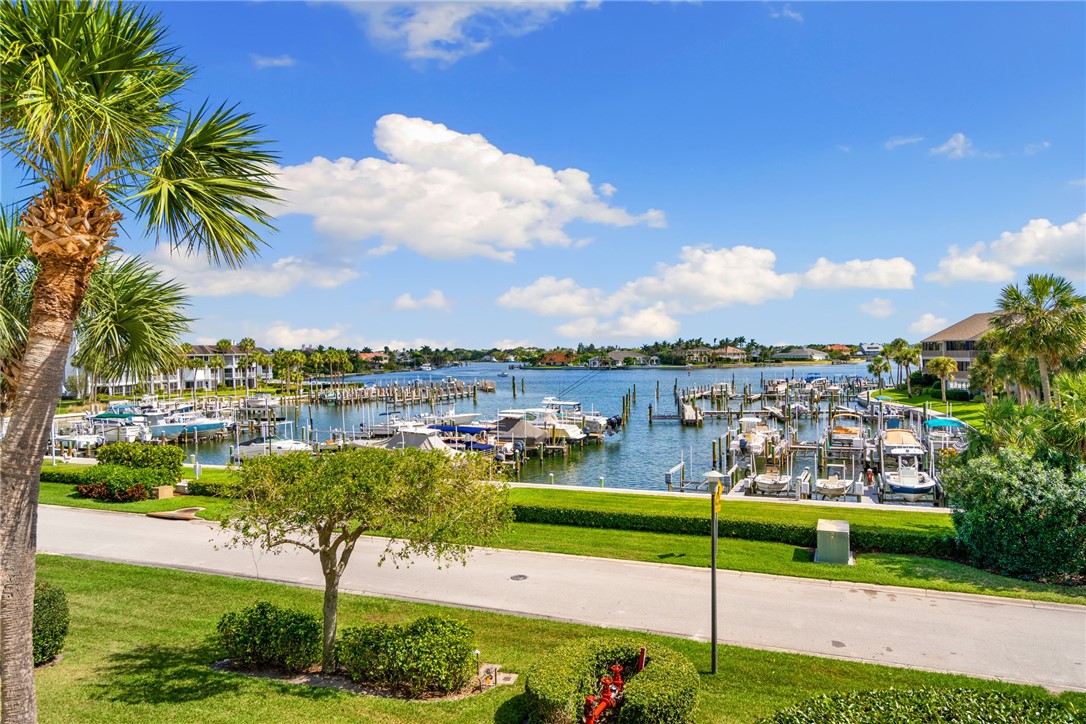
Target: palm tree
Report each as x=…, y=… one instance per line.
x=893, y=352
x=1046, y=320
x=1070, y=427
x=89, y=109
x=215, y=363
x=909, y=357
x=257, y=361
x=878, y=366
x=246, y=345
x=982, y=374
x=943, y=368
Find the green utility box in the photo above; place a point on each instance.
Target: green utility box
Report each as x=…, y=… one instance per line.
x=833, y=544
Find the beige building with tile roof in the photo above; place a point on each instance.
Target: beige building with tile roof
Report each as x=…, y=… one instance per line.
x=958, y=342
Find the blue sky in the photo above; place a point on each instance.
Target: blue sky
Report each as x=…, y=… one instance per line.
x=501, y=174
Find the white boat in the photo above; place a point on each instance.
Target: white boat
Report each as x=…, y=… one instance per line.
x=182, y=423
x=753, y=436
x=269, y=445
x=946, y=433
x=546, y=420
x=845, y=431
x=570, y=411
x=448, y=417
x=426, y=368
x=771, y=481
x=836, y=484
x=902, y=475
x=260, y=401
x=80, y=441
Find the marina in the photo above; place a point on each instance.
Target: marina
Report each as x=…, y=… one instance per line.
x=771, y=431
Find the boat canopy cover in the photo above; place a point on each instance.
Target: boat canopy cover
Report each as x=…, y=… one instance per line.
x=944, y=422
x=466, y=429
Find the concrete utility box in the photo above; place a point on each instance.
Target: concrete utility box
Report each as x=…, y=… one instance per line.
x=833, y=545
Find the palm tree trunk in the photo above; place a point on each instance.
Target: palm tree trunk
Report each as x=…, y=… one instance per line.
x=1046, y=384
x=58, y=294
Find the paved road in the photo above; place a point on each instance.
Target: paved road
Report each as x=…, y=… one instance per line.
x=1020, y=641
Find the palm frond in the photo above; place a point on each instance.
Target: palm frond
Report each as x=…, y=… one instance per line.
x=211, y=185
x=131, y=321
x=17, y=273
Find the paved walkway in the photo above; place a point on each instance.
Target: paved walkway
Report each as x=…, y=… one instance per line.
x=1008, y=639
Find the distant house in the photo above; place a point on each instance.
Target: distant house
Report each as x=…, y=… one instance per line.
x=731, y=354
x=488, y=358
x=958, y=342
x=842, y=348
x=698, y=355
x=802, y=353
x=871, y=349
x=375, y=360
x=557, y=359
x=619, y=357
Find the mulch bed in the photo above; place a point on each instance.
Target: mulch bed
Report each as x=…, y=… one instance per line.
x=342, y=682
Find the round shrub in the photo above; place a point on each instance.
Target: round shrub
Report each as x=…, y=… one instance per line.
x=142, y=455
x=1019, y=517
x=50, y=621
x=266, y=635
x=431, y=655
x=665, y=692
x=211, y=488
x=928, y=706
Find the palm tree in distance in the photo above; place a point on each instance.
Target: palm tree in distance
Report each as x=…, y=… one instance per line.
x=89, y=110
x=943, y=368
x=893, y=352
x=878, y=366
x=246, y=345
x=1045, y=320
x=909, y=358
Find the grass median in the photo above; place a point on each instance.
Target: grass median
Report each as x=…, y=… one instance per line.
x=874, y=568
x=141, y=642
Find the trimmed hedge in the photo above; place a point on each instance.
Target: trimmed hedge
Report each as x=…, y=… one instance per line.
x=665, y=692
x=141, y=455
x=51, y=619
x=266, y=635
x=119, y=484
x=431, y=655
x=863, y=538
x=67, y=477
x=928, y=706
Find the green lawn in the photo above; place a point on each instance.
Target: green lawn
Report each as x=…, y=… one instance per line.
x=970, y=412
x=141, y=641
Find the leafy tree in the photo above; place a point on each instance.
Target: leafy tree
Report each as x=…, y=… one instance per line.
x=425, y=502
x=943, y=368
x=247, y=345
x=89, y=109
x=1019, y=517
x=894, y=352
x=1045, y=320
x=908, y=358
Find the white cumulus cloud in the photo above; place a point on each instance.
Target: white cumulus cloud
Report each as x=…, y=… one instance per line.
x=878, y=307
x=1032, y=149
x=446, y=194
x=928, y=323
x=281, y=334
x=649, y=323
x=549, y=296
x=279, y=61
x=264, y=279
x=1039, y=243
x=448, y=31
x=895, y=273
x=788, y=13
x=957, y=146
x=434, y=300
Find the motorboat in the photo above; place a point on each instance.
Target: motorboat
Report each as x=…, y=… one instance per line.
x=753, y=436
x=901, y=475
x=448, y=417
x=845, y=431
x=945, y=433
x=836, y=484
x=771, y=481
x=260, y=401
x=547, y=420
x=269, y=445
x=570, y=411
x=182, y=423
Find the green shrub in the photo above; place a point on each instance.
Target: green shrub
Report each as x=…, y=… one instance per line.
x=666, y=692
x=267, y=635
x=141, y=455
x=118, y=484
x=67, y=477
x=50, y=621
x=211, y=488
x=1019, y=517
x=958, y=396
x=863, y=538
x=431, y=655
x=928, y=706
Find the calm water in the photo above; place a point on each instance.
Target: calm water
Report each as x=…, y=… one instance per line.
x=637, y=457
